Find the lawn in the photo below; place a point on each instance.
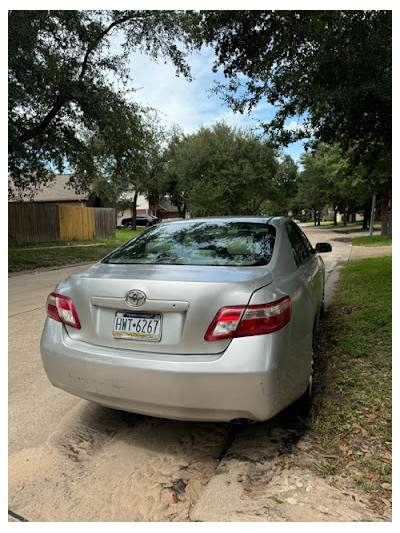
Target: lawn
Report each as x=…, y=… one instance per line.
x=55, y=254
x=352, y=416
x=372, y=240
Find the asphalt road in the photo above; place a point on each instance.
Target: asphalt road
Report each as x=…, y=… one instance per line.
x=70, y=460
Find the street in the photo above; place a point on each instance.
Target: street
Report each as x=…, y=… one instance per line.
x=73, y=461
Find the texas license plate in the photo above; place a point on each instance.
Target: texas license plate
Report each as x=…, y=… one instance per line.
x=137, y=326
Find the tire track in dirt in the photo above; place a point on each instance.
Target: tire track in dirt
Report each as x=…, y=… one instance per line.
x=106, y=465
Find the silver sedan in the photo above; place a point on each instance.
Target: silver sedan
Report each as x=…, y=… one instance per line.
x=205, y=319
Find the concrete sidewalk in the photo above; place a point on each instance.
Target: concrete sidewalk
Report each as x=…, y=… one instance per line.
x=363, y=252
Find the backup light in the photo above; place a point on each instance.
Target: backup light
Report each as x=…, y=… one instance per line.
x=62, y=309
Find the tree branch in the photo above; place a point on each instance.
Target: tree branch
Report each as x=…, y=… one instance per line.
x=93, y=47
x=60, y=101
x=64, y=96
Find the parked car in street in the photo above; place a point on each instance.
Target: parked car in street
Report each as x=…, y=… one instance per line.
x=141, y=220
x=205, y=319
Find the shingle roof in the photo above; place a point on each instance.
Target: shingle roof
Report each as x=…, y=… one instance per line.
x=55, y=191
x=165, y=205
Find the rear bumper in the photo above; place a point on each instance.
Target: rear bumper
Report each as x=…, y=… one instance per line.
x=242, y=382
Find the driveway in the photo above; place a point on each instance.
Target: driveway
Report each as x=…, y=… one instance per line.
x=73, y=461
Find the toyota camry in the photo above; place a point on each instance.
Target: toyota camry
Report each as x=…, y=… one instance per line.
x=204, y=319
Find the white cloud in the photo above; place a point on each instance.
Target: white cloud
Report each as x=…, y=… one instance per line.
x=191, y=104
x=294, y=126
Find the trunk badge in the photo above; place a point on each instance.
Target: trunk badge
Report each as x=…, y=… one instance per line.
x=135, y=298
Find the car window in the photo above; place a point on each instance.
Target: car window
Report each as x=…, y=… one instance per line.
x=305, y=241
x=222, y=243
x=301, y=247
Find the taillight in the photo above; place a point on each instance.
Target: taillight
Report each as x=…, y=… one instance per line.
x=242, y=321
x=62, y=309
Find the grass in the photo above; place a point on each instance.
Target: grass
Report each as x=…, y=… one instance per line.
x=372, y=240
x=352, y=418
x=330, y=222
x=55, y=254
x=322, y=223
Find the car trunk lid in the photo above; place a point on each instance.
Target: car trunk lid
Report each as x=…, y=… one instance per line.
x=180, y=303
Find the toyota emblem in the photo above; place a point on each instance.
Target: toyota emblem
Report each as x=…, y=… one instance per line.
x=135, y=298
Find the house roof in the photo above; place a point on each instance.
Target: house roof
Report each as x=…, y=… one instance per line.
x=54, y=191
x=165, y=205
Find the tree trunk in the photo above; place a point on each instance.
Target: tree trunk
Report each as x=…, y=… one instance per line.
x=384, y=217
x=335, y=212
x=384, y=212
x=182, y=210
x=134, y=202
x=367, y=213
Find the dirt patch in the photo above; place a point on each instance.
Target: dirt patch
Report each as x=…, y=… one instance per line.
x=108, y=466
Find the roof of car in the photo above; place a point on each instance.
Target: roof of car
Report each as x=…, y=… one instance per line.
x=239, y=218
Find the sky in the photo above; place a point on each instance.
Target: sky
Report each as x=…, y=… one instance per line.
x=192, y=104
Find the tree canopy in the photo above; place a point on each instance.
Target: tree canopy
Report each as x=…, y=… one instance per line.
x=220, y=171
x=66, y=82
x=332, y=68
x=70, y=107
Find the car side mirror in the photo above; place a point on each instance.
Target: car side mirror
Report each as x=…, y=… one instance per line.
x=323, y=247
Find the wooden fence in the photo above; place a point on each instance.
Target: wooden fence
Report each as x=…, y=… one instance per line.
x=30, y=223
x=33, y=223
x=104, y=222
x=76, y=223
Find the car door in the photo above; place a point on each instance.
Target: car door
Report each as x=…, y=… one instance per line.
x=303, y=309
x=307, y=263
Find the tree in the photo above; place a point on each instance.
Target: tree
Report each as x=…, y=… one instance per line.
x=111, y=168
x=131, y=167
x=285, y=187
x=157, y=154
x=221, y=171
x=330, y=178
x=313, y=187
x=62, y=74
x=331, y=68
x=172, y=182
x=348, y=185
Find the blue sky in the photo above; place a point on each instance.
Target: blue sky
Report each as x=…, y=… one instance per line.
x=191, y=104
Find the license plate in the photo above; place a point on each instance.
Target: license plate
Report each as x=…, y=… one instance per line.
x=137, y=326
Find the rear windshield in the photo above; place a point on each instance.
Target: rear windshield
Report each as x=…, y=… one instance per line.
x=200, y=243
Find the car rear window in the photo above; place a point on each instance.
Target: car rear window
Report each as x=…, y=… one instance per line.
x=200, y=243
